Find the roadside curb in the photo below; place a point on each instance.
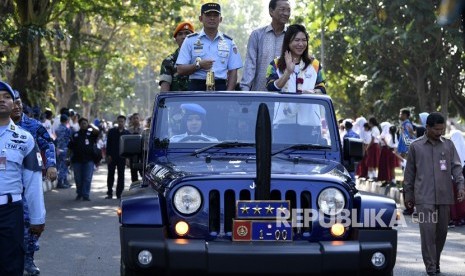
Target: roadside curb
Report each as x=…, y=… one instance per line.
x=375, y=187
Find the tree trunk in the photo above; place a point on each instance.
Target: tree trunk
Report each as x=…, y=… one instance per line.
x=30, y=76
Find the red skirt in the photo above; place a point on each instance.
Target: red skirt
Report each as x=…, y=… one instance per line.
x=373, y=153
x=457, y=210
x=385, y=167
x=362, y=169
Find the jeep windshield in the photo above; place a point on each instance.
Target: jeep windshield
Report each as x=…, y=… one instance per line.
x=207, y=122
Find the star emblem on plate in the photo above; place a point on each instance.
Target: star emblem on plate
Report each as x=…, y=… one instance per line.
x=245, y=209
x=269, y=209
x=256, y=210
x=281, y=209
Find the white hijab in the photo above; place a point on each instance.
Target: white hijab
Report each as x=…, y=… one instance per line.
x=459, y=143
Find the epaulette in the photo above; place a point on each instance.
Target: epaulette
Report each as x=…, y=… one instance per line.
x=227, y=36
x=192, y=34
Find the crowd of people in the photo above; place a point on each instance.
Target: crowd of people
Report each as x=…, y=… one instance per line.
x=277, y=59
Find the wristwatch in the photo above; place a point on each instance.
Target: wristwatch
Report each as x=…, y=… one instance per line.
x=197, y=63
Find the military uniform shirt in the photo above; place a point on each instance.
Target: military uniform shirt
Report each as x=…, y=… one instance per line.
x=63, y=134
x=222, y=50
x=23, y=170
x=168, y=73
x=42, y=137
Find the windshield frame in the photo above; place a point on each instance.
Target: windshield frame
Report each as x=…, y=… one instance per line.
x=246, y=99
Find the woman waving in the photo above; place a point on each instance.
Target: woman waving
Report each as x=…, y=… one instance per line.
x=295, y=70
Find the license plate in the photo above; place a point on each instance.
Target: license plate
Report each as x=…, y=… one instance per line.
x=262, y=230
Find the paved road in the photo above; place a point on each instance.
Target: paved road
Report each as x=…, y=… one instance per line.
x=82, y=238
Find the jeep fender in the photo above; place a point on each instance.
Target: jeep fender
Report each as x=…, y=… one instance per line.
x=373, y=210
x=141, y=206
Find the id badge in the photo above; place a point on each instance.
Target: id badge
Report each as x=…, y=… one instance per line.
x=87, y=142
x=2, y=163
x=442, y=165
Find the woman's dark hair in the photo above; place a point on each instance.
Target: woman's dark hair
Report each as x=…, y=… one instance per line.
x=393, y=132
x=290, y=34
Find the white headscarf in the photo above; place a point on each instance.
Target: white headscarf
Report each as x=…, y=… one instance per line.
x=423, y=117
x=358, y=125
x=459, y=143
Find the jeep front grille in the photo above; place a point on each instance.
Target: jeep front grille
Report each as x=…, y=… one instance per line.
x=226, y=201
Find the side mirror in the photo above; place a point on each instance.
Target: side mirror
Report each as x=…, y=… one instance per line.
x=353, y=149
x=130, y=145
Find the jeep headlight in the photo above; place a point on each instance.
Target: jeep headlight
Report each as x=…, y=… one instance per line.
x=187, y=200
x=331, y=201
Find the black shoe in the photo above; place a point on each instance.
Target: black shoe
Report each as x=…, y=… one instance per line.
x=86, y=199
x=118, y=197
x=407, y=212
x=78, y=197
x=108, y=197
x=29, y=267
x=62, y=186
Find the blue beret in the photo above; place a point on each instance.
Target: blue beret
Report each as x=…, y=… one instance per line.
x=192, y=108
x=5, y=87
x=17, y=95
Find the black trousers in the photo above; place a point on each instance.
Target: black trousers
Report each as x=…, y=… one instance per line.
x=199, y=85
x=12, y=239
x=120, y=165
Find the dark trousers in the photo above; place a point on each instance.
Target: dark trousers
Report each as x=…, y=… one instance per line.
x=199, y=85
x=433, y=221
x=112, y=166
x=12, y=239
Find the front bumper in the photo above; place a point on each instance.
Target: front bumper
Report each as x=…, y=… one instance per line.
x=172, y=255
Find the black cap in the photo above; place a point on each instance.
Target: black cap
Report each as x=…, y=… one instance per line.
x=208, y=7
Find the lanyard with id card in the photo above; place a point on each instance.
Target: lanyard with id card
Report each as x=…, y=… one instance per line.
x=3, y=160
x=442, y=163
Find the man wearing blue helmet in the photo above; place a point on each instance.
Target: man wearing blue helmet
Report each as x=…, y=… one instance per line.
x=194, y=117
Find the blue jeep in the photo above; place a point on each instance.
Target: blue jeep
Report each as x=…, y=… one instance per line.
x=250, y=183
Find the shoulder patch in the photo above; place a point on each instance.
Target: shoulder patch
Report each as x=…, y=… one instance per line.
x=192, y=35
x=227, y=36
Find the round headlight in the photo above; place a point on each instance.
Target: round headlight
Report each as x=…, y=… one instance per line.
x=331, y=201
x=187, y=200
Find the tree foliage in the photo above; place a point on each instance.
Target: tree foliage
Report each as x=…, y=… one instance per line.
x=381, y=56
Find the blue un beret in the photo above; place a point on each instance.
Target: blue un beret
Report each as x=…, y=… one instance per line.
x=5, y=87
x=192, y=108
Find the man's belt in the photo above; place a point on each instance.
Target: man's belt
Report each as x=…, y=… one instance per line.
x=8, y=198
x=202, y=82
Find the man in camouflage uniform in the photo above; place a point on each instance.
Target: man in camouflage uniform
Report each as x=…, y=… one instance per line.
x=169, y=78
x=63, y=134
x=46, y=146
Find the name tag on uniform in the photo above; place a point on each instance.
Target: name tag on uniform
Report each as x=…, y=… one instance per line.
x=442, y=165
x=2, y=160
